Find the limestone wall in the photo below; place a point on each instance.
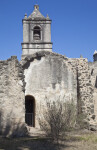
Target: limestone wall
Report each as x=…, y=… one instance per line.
x=93, y=70
x=85, y=89
x=48, y=75
x=12, y=100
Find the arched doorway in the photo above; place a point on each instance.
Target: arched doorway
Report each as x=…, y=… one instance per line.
x=30, y=111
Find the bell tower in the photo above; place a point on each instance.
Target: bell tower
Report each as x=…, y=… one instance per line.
x=36, y=33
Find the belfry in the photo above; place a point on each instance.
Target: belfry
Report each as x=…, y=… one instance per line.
x=36, y=33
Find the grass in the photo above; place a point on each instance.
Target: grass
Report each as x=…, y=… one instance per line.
x=72, y=141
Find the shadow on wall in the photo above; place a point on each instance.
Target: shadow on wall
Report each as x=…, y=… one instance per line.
x=10, y=128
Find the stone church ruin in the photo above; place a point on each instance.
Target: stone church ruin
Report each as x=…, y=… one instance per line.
x=42, y=73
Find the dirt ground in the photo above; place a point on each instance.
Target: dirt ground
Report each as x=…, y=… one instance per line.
x=75, y=140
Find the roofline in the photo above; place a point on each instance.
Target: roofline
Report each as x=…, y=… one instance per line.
x=36, y=43
x=30, y=19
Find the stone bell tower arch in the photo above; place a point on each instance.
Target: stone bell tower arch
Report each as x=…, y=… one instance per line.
x=36, y=33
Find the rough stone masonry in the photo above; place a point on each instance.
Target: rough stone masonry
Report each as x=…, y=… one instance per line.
x=41, y=74
x=12, y=98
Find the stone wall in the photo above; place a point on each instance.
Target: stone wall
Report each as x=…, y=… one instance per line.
x=52, y=75
x=48, y=76
x=12, y=104
x=85, y=89
x=93, y=70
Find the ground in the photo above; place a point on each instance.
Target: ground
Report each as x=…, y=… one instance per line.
x=75, y=140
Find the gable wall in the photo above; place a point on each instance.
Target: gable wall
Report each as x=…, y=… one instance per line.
x=48, y=76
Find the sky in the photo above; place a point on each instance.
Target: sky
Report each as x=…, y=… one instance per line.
x=73, y=30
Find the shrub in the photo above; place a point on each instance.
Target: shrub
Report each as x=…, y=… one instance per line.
x=58, y=117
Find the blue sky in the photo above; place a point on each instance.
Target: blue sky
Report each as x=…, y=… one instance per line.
x=74, y=26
